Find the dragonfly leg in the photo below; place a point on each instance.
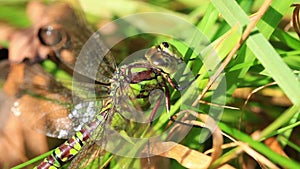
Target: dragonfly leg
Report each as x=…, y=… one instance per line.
x=172, y=83
x=154, y=110
x=180, y=122
x=167, y=93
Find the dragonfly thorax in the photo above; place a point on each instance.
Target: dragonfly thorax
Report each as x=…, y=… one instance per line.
x=132, y=85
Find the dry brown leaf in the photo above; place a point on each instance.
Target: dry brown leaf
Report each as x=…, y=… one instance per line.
x=6, y=31
x=243, y=147
x=275, y=146
x=208, y=123
x=17, y=140
x=156, y=162
x=15, y=134
x=216, y=134
x=185, y=156
x=264, y=95
x=14, y=79
x=12, y=142
x=25, y=44
x=33, y=110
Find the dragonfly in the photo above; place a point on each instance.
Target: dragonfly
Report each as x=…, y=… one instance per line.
x=135, y=81
x=121, y=91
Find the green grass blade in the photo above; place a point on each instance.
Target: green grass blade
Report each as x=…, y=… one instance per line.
x=260, y=147
x=261, y=48
x=287, y=39
x=275, y=66
x=38, y=158
x=284, y=118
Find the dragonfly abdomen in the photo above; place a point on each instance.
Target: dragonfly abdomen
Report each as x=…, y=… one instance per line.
x=70, y=148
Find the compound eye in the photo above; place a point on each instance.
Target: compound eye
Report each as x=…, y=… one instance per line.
x=49, y=36
x=167, y=49
x=165, y=44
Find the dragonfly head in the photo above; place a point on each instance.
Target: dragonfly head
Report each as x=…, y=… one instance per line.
x=165, y=57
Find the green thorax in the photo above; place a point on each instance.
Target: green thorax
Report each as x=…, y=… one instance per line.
x=133, y=83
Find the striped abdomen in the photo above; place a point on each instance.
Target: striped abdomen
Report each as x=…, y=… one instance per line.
x=70, y=148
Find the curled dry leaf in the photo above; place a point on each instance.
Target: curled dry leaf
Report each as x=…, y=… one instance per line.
x=275, y=146
x=295, y=18
x=185, y=156
x=56, y=19
x=208, y=123
x=24, y=44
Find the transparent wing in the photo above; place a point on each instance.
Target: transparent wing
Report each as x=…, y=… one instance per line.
x=95, y=60
x=50, y=107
